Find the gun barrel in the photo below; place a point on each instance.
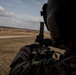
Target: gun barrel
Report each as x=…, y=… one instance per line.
x=40, y=37
x=41, y=29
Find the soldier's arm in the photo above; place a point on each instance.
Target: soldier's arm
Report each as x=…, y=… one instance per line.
x=22, y=58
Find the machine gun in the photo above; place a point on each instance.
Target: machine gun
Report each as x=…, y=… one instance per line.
x=43, y=50
x=40, y=38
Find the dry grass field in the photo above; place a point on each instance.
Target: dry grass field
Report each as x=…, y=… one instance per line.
x=8, y=50
x=10, y=46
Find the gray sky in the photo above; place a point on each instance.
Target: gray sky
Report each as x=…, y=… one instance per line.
x=21, y=13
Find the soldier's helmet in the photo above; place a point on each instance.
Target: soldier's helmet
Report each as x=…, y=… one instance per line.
x=60, y=19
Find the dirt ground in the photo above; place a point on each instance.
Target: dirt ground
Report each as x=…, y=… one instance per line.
x=9, y=48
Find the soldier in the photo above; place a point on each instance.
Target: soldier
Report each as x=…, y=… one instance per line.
x=61, y=24
x=59, y=17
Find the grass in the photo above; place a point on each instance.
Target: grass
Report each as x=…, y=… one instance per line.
x=8, y=50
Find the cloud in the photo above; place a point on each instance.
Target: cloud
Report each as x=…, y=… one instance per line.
x=20, y=21
x=32, y=23
x=37, y=4
x=5, y=13
x=25, y=15
x=1, y=8
x=40, y=1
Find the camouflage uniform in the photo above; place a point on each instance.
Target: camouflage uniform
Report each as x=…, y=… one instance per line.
x=21, y=64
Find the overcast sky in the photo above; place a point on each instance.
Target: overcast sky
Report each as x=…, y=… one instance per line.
x=21, y=13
